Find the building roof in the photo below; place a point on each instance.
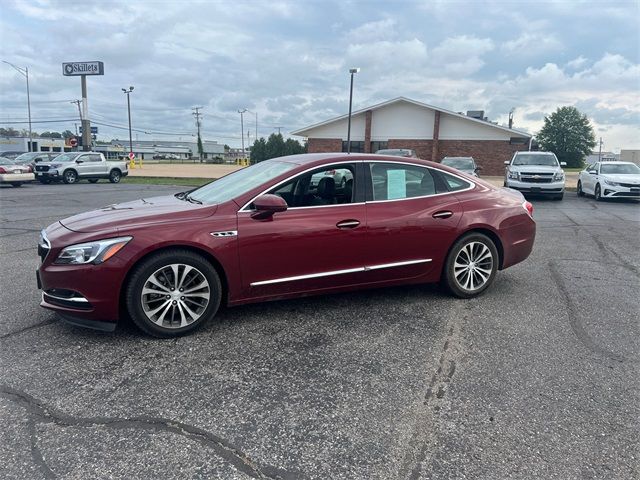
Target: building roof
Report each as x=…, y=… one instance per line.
x=301, y=131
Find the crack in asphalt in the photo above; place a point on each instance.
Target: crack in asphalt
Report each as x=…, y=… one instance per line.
x=30, y=327
x=36, y=453
x=41, y=413
x=574, y=318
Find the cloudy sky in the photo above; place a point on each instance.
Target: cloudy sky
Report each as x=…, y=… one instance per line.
x=288, y=62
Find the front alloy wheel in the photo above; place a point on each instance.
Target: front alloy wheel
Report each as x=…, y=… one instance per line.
x=471, y=265
x=70, y=176
x=173, y=292
x=114, y=176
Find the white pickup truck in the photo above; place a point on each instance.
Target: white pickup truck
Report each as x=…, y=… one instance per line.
x=74, y=166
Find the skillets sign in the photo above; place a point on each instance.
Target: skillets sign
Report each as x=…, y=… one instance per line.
x=72, y=69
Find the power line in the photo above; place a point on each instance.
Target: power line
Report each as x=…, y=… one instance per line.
x=42, y=121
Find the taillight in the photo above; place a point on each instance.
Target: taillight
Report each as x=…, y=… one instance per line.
x=2, y=170
x=528, y=206
x=29, y=169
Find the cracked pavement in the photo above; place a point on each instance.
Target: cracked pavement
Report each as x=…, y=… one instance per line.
x=538, y=378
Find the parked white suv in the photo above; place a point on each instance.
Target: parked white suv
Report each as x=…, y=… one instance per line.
x=536, y=172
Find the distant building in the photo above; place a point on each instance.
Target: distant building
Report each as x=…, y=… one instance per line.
x=40, y=144
x=630, y=156
x=433, y=132
x=147, y=149
x=604, y=156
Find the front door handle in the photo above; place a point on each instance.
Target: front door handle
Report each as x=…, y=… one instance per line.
x=348, y=224
x=442, y=214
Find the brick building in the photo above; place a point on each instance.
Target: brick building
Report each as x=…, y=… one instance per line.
x=434, y=133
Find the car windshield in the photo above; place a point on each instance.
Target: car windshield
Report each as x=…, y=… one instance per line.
x=620, y=169
x=459, y=163
x=239, y=182
x=66, y=157
x=27, y=157
x=532, y=159
x=5, y=161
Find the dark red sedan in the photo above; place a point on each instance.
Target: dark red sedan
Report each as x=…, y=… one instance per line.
x=279, y=229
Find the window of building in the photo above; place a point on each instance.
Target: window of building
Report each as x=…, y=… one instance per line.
x=56, y=149
x=356, y=147
x=375, y=146
x=44, y=149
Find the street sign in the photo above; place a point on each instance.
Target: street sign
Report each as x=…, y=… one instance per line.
x=72, y=69
x=132, y=155
x=94, y=130
x=73, y=142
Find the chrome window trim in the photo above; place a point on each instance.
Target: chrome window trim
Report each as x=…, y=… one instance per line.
x=342, y=162
x=63, y=299
x=340, y=272
x=472, y=184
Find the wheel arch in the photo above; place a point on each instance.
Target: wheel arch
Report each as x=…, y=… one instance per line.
x=200, y=251
x=116, y=169
x=495, y=238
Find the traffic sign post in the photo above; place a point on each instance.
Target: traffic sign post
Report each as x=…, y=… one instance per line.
x=132, y=160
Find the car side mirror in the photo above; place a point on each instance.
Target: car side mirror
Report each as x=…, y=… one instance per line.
x=79, y=161
x=592, y=172
x=563, y=164
x=507, y=162
x=268, y=204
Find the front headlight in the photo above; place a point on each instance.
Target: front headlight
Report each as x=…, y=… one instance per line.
x=613, y=184
x=514, y=175
x=55, y=165
x=91, y=252
x=558, y=176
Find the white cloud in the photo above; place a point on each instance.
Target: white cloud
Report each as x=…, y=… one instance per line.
x=461, y=55
x=530, y=44
x=577, y=62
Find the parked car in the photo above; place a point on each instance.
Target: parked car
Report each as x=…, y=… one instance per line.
x=340, y=177
x=464, y=164
x=31, y=158
x=536, y=172
x=14, y=174
x=11, y=154
x=398, y=152
x=610, y=180
x=75, y=166
x=264, y=232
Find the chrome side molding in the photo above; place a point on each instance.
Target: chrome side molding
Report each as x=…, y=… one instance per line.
x=229, y=233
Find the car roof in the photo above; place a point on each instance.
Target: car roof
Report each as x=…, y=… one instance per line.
x=535, y=153
x=457, y=158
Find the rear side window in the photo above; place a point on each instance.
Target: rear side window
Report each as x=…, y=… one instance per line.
x=396, y=181
x=454, y=183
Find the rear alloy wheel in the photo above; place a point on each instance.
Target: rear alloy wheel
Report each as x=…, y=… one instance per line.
x=598, y=194
x=579, y=189
x=70, y=176
x=172, y=293
x=115, y=176
x=471, y=265
x=16, y=184
x=93, y=180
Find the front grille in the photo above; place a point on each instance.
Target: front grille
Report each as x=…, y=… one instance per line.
x=542, y=174
x=42, y=168
x=536, y=180
x=627, y=194
x=630, y=185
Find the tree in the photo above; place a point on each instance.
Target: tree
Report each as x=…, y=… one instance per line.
x=67, y=134
x=569, y=134
x=9, y=132
x=51, y=135
x=275, y=146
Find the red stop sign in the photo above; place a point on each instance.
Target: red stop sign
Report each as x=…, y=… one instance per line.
x=73, y=142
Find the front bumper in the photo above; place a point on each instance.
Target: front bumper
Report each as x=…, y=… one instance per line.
x=615, y=191
x=553, y=188
x=50, y=175
x=16, y=177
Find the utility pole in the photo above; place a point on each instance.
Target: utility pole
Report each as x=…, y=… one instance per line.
x=197, y=114
x=511, y=118
x=78, y=102
x=25, y=73
x=278, y=128
x=256, y=125
x=241, y=112
x=352, y=71
x=249, y=138
x=129, y=112
x=600, y=151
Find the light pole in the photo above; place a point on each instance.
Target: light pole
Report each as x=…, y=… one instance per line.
x=241, y=112
x=352, y=71
x=25, y=72
x=129, y=112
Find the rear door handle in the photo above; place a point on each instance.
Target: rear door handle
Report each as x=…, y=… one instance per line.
x=442, y=214
x=348, y=224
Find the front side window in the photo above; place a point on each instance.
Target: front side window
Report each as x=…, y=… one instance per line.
x=395, y=181
x=331, y=185
x=92, y=158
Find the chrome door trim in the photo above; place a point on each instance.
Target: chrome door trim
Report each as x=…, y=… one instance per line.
x=341, y=272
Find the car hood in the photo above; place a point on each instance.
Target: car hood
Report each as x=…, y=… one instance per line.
x=534, y=168
x=143, y=212
x=622, y=178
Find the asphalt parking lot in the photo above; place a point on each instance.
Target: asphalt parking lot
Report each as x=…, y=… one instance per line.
x=538, y=378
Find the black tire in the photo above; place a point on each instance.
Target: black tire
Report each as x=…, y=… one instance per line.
x=16, y=184
x=93, y=180
x=45, y=181
x=579, y=189
x=148, y=267
x=70, y=176
x=115, y=176
x=597, y=193
x=453, y=284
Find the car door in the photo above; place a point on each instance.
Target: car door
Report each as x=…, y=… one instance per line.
x=590, y=179
x=92, y=165
x=412, y=217
x=317, y=244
